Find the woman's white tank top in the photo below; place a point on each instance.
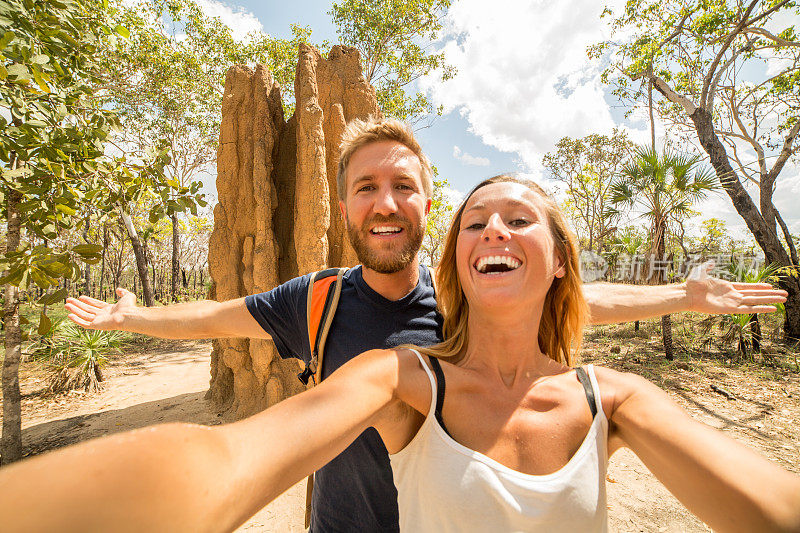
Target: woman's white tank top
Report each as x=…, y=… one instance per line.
x=443, y=486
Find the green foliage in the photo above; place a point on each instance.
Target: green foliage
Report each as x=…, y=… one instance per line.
x=663, y=187
x=743, y=330
x=169, y=78
x=53, y=151
x=395, y=38
x=46, y=345
x=84, y=353
x=587, y=168
x=438, y=222
x=737, y=60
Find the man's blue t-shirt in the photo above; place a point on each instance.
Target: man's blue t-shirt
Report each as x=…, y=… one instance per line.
x=355, y=491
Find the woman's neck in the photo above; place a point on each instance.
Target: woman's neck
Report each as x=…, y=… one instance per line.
x=505, y=345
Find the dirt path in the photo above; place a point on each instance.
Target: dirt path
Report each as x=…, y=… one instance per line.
x=168, y=383
x=164, y=385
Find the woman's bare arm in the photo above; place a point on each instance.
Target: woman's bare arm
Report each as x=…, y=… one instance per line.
x=183, y=477
x=727, y=485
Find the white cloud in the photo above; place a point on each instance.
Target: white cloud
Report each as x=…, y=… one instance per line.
x=453, y=196
x=469, y=159
x=524, y=80
x=239, y=20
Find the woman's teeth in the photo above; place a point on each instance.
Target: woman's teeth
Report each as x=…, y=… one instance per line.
x=496, y=264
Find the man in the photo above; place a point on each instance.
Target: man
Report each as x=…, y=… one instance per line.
x=384, y=185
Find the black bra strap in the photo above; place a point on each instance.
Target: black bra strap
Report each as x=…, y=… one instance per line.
x=583, y=377
x=437, y=371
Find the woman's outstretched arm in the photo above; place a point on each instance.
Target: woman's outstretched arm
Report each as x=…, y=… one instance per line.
x=184, y=477
x=724, y=483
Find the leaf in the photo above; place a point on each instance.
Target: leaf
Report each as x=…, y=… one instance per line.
x=87, y=249
x=41, y=279
x=13, y=276
x=122, y=30
x=45, y=324
x=19, y=70
x=3, y=72
x=5, y=39
x=54, y=297
x=40, y=59
x=40, y=81
x=67, y=210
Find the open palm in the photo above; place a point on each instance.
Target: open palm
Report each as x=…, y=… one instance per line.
x=717, y=296
x=91, y=313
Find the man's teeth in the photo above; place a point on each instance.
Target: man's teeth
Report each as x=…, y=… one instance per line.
x=386, y=230
x=484, y=262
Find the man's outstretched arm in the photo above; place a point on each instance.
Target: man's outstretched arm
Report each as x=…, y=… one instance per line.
x=204, y=319
x=612, y=302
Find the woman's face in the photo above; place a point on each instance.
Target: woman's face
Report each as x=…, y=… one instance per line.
x=505, y=253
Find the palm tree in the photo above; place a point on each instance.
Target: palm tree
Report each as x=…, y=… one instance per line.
x=664, y=187
x=630, y=242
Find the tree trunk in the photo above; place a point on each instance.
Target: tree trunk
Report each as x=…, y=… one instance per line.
x=103, y=264
x=176, y=267
x=767, y=239
x=11, y=442
x=755, y=333
x=141, y=262
x=666, y=320
x=666, y=337
x=87, y=272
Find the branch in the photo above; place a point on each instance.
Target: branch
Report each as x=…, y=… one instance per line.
x=744, y=170
x=664, y=88
x=751, y=139
x=767, y=13
x=764, y=33
x=788, y=237
x=723, y=69
x=731, y=36
x=786, y=152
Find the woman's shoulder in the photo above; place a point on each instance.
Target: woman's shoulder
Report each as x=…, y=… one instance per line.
x=615, y=386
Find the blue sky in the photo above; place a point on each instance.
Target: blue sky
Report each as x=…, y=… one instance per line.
x=523, y=82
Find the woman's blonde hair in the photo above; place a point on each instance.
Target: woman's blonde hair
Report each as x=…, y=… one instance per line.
x=565, y=310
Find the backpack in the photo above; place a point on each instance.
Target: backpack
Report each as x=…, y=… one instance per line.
x=322, y=299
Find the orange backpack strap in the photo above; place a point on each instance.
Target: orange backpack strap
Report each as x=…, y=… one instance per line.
x=322, y=299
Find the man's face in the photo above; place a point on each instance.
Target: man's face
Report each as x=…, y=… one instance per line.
x=385, y=206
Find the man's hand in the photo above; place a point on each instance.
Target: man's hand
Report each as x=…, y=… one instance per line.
x=719, y=297
x=90, y=313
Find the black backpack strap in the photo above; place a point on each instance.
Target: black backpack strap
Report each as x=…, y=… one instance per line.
x=440, y=387
x=583, y=377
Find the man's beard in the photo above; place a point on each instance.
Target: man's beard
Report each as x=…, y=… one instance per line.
x=398, y=260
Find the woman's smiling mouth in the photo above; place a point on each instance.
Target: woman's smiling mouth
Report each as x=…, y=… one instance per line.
x=496, y=264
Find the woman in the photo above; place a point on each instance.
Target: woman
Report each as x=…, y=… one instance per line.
x=495, y=432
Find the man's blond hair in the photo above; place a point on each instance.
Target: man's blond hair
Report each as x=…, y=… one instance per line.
x=359, y=133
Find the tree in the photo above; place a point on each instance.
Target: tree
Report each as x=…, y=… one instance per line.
x=664, y=186
x=729, y=77
x=587, y=167
x=714, y=239
x=53, y=166
x=395, y=38
x=168, y=81
x=439, y=219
